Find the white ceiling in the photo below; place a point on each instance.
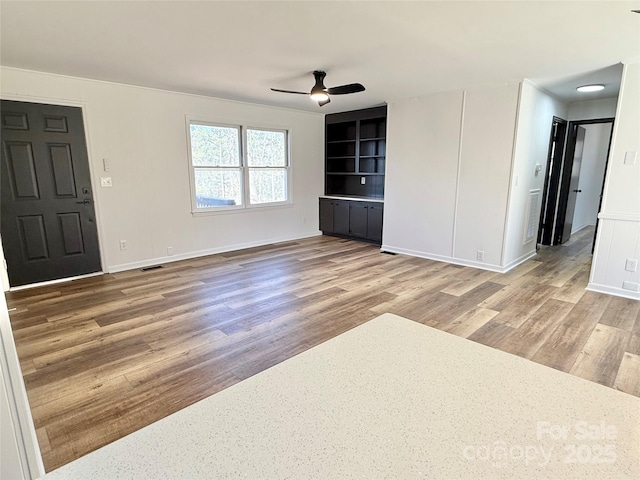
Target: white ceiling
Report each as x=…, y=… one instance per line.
x=238, y=50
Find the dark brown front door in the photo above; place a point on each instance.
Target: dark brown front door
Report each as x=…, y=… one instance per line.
x=47, y=223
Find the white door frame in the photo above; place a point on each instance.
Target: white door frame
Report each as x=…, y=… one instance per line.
x=92, y=176
x=25, y=432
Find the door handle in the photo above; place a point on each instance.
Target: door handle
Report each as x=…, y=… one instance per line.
x=84, y=202
x=577, y=191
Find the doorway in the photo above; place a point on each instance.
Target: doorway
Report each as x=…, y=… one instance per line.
x=552, y=180
x=575, y=181
x=582, y=187
x=47, y=223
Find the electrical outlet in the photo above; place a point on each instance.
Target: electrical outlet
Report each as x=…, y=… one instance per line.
x=123, y=244
x=633, y=286
x=106, y=182
x=480, y=255
x=363, y=180
x=631, y=265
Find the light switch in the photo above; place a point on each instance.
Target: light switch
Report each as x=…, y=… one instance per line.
x=363, y=180
x=105, y=164
x=106, y=182
x=630, y=158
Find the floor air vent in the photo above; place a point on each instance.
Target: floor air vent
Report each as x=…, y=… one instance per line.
x=146, y=269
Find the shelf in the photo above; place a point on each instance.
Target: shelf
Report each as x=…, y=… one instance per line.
x=372, y=138
x=342, y=157
x=372, y=156
x=341, y=141
x=373, y=128
x=342, y=132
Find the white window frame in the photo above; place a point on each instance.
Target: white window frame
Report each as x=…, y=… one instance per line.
x=244, y=167
x=245, y=161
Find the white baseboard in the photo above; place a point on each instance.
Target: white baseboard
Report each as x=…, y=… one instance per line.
x=618, y=292
x=460, y=261
x=203, y=253
x=576, y=230
x=518, y=261
x=443, y=258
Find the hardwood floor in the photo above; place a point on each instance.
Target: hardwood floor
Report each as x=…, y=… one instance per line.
x=105, y=356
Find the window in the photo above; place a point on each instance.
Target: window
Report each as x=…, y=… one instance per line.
x=237, y=167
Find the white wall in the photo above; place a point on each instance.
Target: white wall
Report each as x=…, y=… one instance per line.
x=535, y=118
x=489, y=127
x=447, y=179
x=594, y=160
x=143, y=135
x=590, y=109
x=619, y=228
x=423, y=141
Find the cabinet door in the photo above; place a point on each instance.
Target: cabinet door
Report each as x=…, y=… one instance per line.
x=341, y=217
x=374, y=222
x=326, y=215
x=358, y=219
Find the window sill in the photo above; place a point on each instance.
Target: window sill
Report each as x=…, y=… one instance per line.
x=232, y=211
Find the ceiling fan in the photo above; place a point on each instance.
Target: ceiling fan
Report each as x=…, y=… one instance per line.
x=321, y=94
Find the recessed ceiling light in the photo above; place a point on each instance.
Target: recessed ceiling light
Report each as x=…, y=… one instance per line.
x=590, y=88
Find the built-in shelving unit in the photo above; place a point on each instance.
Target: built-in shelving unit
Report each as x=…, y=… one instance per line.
x=356, y=153
x=355, y=163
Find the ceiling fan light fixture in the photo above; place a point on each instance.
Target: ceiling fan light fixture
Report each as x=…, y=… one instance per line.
x=590, y=88
x=319, y=96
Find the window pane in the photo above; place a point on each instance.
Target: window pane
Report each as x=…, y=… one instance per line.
x=214, y=146
x=268, y=185
x=218, y=187
x=266, y=148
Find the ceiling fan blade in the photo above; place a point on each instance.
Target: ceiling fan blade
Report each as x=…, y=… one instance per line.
x=324, y=102
x=289, y=91
x=345, y=89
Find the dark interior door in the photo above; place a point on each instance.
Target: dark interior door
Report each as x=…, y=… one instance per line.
x=47, y=217
x=573, y=167
x=552, y=180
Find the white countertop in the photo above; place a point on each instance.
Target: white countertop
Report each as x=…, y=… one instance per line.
x=357, y=199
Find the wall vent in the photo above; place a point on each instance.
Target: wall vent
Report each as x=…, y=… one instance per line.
x=531, y=224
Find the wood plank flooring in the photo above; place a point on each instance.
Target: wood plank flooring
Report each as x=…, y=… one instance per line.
x=105, y=356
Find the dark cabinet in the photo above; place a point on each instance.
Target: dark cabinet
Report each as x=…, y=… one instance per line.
x=355, y=165
x=334, y=216
x=374, y=222
x=341, y=223
x=352, y=218
x=358, y=219
x=326, y=215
